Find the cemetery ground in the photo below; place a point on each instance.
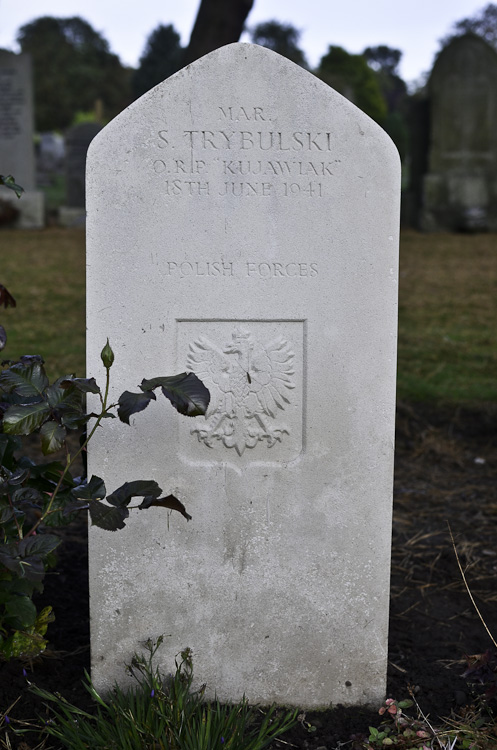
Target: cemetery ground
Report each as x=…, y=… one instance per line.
x=445, y=474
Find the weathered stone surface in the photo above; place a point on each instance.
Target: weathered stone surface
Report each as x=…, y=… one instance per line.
x=16, y=137
x=242, y=222
x=460, y=189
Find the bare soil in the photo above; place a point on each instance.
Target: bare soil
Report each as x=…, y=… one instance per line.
x=446, y=471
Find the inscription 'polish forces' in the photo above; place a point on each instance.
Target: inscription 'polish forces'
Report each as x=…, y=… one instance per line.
x=184, y=269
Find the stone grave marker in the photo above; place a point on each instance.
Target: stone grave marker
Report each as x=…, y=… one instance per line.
x=460, y=189
x=242, y=223
x=78, y=139
x=16, y=137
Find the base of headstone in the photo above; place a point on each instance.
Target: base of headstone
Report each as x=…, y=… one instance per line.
x=456, y=203
x=72, y=217
x=31, y=207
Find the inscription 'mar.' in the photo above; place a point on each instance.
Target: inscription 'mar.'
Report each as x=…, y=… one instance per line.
x=251, y=384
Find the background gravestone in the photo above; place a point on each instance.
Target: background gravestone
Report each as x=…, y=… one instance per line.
x=16, y=137
x=242, y=222
x=460, y=189
x=50, y=157
x=77, y=141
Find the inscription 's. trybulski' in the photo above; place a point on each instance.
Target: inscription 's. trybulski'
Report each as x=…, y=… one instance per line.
x=194, y=162
x=245, y=140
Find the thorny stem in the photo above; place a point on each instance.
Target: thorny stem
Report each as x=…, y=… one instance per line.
x=70, y=460
x=19, y=529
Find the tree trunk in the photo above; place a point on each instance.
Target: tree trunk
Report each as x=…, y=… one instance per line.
x=218, y=22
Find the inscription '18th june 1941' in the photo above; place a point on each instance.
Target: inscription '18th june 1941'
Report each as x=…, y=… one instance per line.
x=226, y=161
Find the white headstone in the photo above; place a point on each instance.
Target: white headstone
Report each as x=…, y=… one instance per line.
x=243, y=223
x=16, y=137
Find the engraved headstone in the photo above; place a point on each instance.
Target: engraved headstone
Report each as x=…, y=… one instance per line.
x=243, y=224
x=17, y=156
x=78, y=139
x=460, y=188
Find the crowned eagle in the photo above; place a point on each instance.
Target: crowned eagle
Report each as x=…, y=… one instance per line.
x=250, y=386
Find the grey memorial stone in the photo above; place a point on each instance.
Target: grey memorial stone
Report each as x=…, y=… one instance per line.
x=16, y=137
x=242, y=222
x=77, y=142
x=460, y=188
x=50, y=156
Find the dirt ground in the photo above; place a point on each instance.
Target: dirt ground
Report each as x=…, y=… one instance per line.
x=445, y=473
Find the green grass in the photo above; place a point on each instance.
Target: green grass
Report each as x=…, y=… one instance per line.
x=447, y=310
x=45, y=271
x=448, y=318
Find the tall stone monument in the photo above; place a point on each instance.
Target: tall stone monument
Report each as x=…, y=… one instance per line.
x=242, y=223
x=460, y=188
x=78, y=139
x=16, y=137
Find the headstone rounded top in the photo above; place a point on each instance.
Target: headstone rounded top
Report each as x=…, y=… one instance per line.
x=465, y=55
x=255, y=73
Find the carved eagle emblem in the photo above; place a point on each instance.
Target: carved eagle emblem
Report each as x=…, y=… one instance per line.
x=250, y=384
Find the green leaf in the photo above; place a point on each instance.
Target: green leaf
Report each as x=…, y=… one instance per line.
x=25, y=379
x=92, y=490
x=21, y=611
x=24, y=644
x=68, y=399
x=52, y=437
x=9, y=558
x=85, y=385
x=18, y=476
x=6, y=514
x=9, y=182
x=38, y=544
x=107, y=356
x=131, y=403
x=8, y=445
x=45, y=617
x=48, y=474
x=185, y=391
x=74, y=420
x=23, y=420
x=29, y=496
x=75, y=506
x=170, y=502
x=54, y=395
x=139, y=488
x=108, y=516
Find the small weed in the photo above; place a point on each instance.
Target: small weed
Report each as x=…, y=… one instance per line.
x=161, y=714
x=398, y=729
